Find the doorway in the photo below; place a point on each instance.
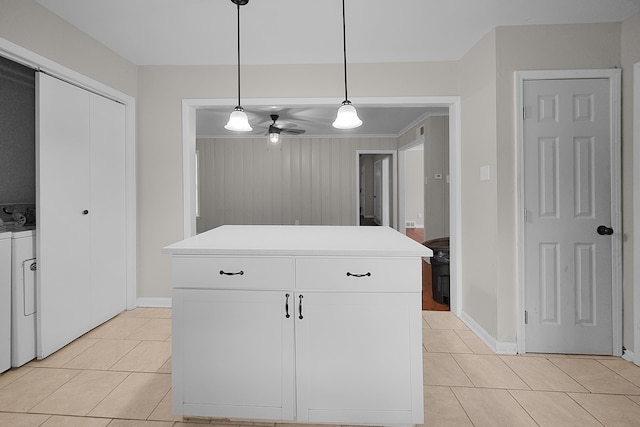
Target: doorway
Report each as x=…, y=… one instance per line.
x=424, y=203
x=452, y=103
x=570, y=196
x=377, y=189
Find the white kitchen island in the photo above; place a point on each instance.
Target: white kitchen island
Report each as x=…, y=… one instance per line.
x=316, y=324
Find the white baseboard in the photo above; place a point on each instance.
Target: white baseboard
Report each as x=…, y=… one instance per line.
x=629, y=356
x=498, y=347
x=154, y=302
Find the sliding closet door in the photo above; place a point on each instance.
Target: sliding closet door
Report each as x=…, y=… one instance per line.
x=63, y=213
x=108, y=247
x=81, y=209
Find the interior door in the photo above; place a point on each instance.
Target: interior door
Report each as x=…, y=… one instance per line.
x=63, y=195
x=567, y=192
x=377, y=188
x=362, y=189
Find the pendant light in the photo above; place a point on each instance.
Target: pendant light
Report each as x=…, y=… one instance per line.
x=238, y=120
x=347, y=117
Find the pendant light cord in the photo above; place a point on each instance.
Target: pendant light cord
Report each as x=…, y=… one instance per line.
x=239, y=54
x=344, y=51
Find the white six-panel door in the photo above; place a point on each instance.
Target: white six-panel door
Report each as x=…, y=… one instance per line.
x=567, y=195
x=80, y=212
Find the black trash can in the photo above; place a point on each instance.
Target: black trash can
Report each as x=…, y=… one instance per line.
x=439, y=269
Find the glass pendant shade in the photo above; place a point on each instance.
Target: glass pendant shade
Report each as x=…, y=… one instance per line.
x=347, y=117
x=238, y=121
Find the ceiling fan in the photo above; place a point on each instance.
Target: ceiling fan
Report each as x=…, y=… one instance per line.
x=278, y=127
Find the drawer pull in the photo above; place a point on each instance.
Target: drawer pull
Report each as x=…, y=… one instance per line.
x=286, y=306
x=367, y=274
x=240, y=273
x=300, y=307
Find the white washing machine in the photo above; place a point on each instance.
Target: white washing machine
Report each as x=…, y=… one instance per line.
x=5, y=300
x=23, y=287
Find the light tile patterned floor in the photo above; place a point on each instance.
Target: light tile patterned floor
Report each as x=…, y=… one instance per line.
x=119, y=375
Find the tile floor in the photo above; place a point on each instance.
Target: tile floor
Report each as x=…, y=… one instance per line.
x=118, y=375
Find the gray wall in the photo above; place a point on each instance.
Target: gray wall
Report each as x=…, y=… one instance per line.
x=414, y=187
x=436, y=191
x=160, y=202
x=17, y=134
x=311, y=181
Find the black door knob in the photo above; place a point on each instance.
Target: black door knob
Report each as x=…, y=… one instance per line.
x=85, y=212
x=603, y=230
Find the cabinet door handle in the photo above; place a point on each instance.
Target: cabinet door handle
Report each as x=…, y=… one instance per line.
x=239, y=273
x=286, y=306
x=367, y=274
x=85, y=212
x=300, y=307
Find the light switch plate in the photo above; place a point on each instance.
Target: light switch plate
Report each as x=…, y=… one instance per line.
x=485, y=173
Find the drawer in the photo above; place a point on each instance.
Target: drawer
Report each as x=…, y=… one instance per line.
x=232, y=272
x=359, y=274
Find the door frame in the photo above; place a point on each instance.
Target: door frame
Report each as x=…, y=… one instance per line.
x=636, y=214
x=453, y=103
x=614, y=77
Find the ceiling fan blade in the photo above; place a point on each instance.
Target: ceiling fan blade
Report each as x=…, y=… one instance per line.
x=293, y=131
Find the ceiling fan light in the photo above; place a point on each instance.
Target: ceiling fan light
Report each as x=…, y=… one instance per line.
x=274, y=137
x=347, y=117
x=238, y=121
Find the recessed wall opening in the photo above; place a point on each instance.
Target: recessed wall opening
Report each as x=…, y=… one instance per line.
x=450, y=104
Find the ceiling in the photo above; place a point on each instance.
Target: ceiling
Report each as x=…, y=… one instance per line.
x=203, y=32
x=316, y=120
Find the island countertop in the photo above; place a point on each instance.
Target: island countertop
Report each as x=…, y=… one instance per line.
x=283, y=240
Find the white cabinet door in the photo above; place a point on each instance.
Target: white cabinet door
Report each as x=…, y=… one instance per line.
x=233, y=354
x=356, y=358
x=63, y=193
